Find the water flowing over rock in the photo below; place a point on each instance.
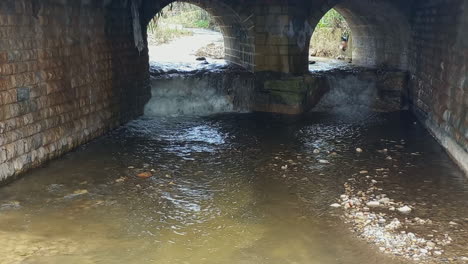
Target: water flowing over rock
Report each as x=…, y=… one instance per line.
x=200, y=91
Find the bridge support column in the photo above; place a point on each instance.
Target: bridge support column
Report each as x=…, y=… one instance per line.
x=282, y=37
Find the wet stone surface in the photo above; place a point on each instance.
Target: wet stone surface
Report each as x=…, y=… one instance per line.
x=343, y=187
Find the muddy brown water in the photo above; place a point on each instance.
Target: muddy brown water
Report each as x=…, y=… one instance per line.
x=221, y=192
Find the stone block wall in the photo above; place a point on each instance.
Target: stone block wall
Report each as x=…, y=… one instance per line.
x=69, y=71
x=282, y=36
x=439, y=72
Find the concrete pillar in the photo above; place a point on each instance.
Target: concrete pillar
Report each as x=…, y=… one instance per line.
x=282, y=37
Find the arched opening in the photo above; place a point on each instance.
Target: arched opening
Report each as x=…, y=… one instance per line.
x=379, y=32
x=331, y=43
x=194, y=48
x=182, y=35
x=236, y=30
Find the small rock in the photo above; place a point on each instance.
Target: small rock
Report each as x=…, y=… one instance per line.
x=452, y=223
x=121, y=179
x=145, y=175
x=80, y=192
x=131, y=167
x=335, y=205
x=324, y=161
x=373, y=204
x=311, y=62
x=363, y=172
x=201, y=59
x=430, y=244
x=384, y=200
x=359, y=150
x=285, y=167
x=405, y=209
x=316, y=151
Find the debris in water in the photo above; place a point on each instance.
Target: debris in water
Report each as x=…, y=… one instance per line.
x=145, y=175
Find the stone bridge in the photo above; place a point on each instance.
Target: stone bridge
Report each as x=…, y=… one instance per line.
x=71, y=70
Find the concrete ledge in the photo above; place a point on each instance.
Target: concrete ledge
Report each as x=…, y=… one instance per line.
x=286, y=94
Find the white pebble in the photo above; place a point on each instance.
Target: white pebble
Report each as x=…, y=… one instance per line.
x=373, y=204
x=404, y=209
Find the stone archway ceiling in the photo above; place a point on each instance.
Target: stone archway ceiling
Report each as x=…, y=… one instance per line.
x=380, y=30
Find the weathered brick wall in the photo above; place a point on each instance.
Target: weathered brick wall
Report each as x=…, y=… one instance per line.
x=439, y=72
x=68, y=72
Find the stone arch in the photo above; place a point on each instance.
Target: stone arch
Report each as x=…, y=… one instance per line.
x=380, y=31
x=237, y=27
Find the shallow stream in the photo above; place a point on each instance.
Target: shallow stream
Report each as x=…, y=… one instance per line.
x=233, y=188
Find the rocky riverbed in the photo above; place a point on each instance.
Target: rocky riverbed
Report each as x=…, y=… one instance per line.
x=346, y=187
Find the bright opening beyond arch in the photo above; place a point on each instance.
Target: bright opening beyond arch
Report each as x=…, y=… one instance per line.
x=184, y=35
x=331, y=45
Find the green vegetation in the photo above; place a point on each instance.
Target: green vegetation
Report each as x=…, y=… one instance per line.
x=333, y=19
x=172, y=22
x=188, y=16
x=161, y=35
